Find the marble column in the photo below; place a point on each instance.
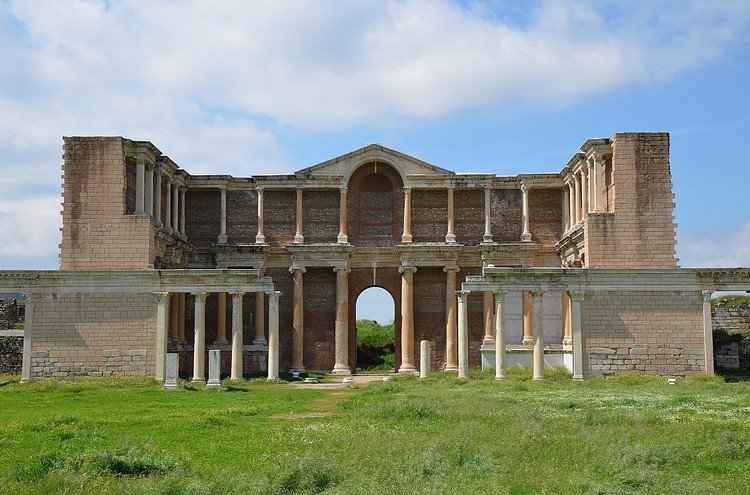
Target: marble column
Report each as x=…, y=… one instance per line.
x=28, y=336
x=299, y=238
x=571, y=203
x=237, y=347
x=487, y=237
x=463, y=335
x=174, y=326
x=584, y=192
x=577, y=206
x=526, y=235
x=157, y=197
x=538, y=298
x=149, y=192
x=341, y=366
x=500, y=334
x=273, y=335
x=162, y=312
x=140, y=186
x=407, y=319
x=183, y=232
x=298, y=320
x=168, y=207
x=565, y=208
x=222, y=239
x=221, y=319
x=260, y=319
x=598, y=183
x=450, y=236
x=489, y=319
x=708, y=340
x=175, y=208
x=406, y=236
x=342, y=237
x=528, y=319
x=199, y=342
x=567, y=341
x=260, y=237
x=451, y=362
x=181, y=318
x=575, y=330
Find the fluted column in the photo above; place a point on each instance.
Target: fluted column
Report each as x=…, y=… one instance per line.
x=538, y=335
x=157, y=197
x=222, y=239
x=500, y=334
x=708, y=340
x=584, y=192
x=566, y=339
x=260, y=237
x=407, y=319
x=221, y=319
x=140, y=186
x=162, y=312
x=260, y=319
x=451, y=358
x=342, y=237
x=175, y=207
x=199, y=342
x=451, y=235
x=575, y=330
x=526, y=235
x=299, y=238
x=487, y=238
x=298, y=319
x=528, y=318
x=463, y=335
x=406, y=236
x=341, y=367
x=273, y=335
x=577, y=207
x=237, y=346
x=489, y=319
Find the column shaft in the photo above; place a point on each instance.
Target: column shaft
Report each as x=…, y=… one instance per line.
x=221, y=319
x=538, y=335
x=183, y=233
x=406, y=236
x=299, y=238
x=566, y=340
x=463, y=335
x=708, y=340
x=526, y=235
x=342, y=237
x=341, y=367
x=487, y=215
x=577, y=207
x=260, y=237
x=584, y=192
x=500, y=334
x=273, y=335
x=162, y=312
x=298, y=320
x=571, y=204
x=175, y=209
x=576, y=337
x=407, y=319
x=528, y=318
x=451, y=235
x=174, y=325
x=168, y=207
x=157, y=198
x=237, y=346
x=565, y=208
x=222, y=239
x=260, y=319
x=140, y=186
x=149, y=200
x=489, y=318
x=451, y=358
x=599, y=205
x=181, y=318
x=199, y=341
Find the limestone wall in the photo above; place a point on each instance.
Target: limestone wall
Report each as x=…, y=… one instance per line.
x=96, y=335
x=652, y=332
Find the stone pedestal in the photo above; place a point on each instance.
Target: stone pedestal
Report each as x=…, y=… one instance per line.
x=214, y=369
x=424, y=359
x=172, y=372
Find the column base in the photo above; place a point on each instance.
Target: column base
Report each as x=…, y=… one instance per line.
x=526, y=237
x=342, y=239
x=341, y=370
x=487, y=239
x=299, y=239
x=489, y=342
x=407, y=369
x=406, y=239
x=527, y=341
x=260, y=239
x=260, y=341
x=213, y=384
x=297, y=369
x=450, y=368
x=222, y=239
x=450, y=238
x=198, y=380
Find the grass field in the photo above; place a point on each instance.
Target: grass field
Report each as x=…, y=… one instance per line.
x=624, y=435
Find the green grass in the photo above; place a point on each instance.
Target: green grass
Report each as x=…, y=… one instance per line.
x=628, y=434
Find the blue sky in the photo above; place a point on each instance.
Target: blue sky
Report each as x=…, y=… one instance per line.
x=498, y=86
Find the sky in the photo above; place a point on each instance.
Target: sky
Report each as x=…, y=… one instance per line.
x=495, y=86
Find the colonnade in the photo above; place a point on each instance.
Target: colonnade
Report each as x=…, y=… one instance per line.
x=150, y=179
x=171, y=326
x=583, y=191
x=406, y=236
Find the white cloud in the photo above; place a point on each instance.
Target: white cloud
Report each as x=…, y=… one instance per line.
x=729, y=248
x=29, y=229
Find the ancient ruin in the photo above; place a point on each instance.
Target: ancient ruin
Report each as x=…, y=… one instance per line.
x=574, y=268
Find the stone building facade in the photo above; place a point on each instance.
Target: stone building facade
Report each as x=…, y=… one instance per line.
x=575, y=267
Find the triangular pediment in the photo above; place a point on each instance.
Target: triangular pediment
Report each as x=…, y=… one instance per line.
x=344, y=165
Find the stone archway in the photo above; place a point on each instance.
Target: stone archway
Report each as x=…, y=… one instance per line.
x=375, y=327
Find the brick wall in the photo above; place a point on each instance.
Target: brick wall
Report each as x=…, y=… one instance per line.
x=653, y=332
x=203, y=216
x=280, y=216
x=468, y=205
x=639, y=230
x=96, y=335
x=320, y=215
x=506, y=215
x=97, y=232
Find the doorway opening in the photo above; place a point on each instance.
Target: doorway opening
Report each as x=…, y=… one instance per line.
x=376, y=331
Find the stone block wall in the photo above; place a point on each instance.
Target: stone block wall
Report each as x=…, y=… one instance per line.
x=98, y=233
x=733, y=355
x=11, y=355
x=638, y=231
x=96, y=335
x=617, y=337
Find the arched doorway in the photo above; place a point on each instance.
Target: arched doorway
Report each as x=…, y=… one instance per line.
x=375, y=330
